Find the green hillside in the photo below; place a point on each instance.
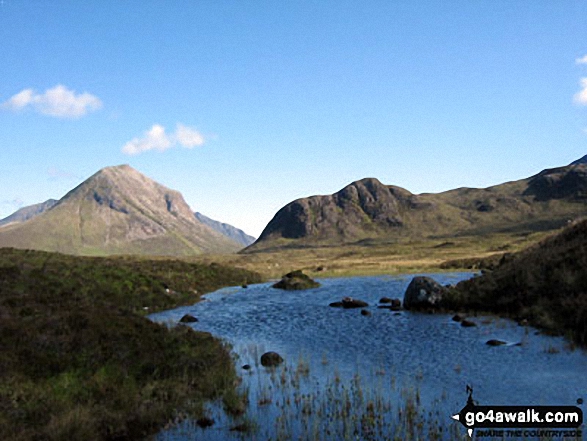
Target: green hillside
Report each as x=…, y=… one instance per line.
x=79, y=362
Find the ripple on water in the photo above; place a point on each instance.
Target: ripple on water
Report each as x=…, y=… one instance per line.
x=430, y=351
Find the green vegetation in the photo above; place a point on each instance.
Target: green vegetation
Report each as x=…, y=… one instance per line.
x=545, y=285
x=295, y=281
x=78, y=360
x=380, y=257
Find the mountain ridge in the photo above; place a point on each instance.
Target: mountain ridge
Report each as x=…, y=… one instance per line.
x=25, y=213
x=118, y=210
x=369, y=210
x=227, y=230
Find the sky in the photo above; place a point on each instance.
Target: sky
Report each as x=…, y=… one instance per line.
x=245, y=106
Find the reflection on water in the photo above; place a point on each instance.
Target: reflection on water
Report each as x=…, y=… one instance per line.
x=391, y=359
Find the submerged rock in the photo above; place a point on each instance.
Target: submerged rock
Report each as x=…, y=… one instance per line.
x=494, y=342
x=270, y=359
x=365, y=312
x=424, y=293
x=467, y=323
x=296, y=280
x=349, y=302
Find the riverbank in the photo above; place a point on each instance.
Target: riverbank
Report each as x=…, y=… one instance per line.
x=544, y=285
x=80, y=362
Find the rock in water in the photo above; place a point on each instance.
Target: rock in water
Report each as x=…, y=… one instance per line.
x=296, y=280
x=494, y=342
x=349, y=302
x=270, y=359
x=424, y=293
x=188, y=319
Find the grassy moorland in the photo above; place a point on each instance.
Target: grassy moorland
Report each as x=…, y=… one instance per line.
x=545, y=284
x=78, y=361
x=379, y=257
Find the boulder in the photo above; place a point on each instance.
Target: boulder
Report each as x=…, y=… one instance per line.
x=457, y=318
x=349, y=302
x=188, y=319
x=335, y=304
x=396, y=304
x=424, y=294
x=494, y=342
x=205, y=422
x=365, y=312
x=295, y=281
x=384, y=300
x=467, y=323
x=271, y=359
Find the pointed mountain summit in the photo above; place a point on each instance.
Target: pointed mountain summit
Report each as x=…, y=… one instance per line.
x=582, y=160
x=118, y=211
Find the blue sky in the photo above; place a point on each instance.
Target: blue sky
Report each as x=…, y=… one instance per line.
x=244, y=106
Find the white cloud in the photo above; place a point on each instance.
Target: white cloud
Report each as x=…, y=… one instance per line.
x=153, y=139
x=582, y=60
x=156, y=139
x=59, y=102
x=188, y=137
x=581, y=96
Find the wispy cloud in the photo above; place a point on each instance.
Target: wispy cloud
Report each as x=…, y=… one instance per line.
x=581, y=96
x=582, y=60
x=59, y=102
x=156, y=139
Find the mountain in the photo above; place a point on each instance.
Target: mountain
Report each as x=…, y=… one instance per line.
x=26, y=213
x=367, y=210
x=118, y=211
x=582, y=160
x=227, y=230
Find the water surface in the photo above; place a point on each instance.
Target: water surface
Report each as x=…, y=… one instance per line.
x=389, y=352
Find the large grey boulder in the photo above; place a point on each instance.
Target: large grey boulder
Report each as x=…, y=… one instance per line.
x=424, y=294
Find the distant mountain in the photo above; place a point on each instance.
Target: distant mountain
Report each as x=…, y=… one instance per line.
x=368, y=210
x=26, y=213
x=118, y=211
x=227, y=230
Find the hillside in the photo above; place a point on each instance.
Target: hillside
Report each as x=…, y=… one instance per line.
x=79, y=360
x=545, y=284
x=367, y=211
x=118, y=211
x=227, y=230
x=26, y=213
